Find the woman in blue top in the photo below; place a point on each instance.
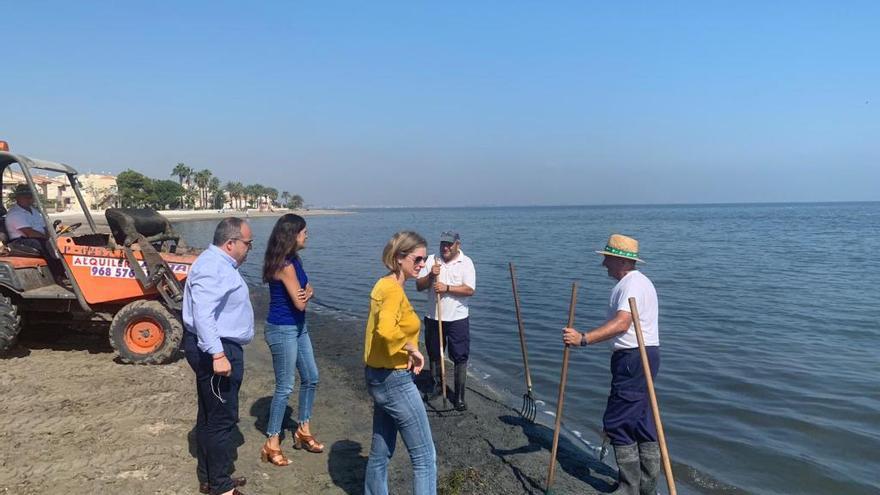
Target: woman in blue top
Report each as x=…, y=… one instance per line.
x=288, y=336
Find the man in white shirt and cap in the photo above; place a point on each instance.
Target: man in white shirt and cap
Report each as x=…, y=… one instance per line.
x=453, y=279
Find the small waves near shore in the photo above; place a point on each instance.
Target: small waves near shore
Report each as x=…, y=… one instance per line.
x=768, y=323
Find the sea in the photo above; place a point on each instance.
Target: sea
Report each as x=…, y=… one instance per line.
x=769, y=324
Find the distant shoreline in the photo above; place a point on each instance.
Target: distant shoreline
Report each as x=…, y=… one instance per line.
x=177, y=216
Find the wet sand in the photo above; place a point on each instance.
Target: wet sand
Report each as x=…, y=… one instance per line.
x=76, y=421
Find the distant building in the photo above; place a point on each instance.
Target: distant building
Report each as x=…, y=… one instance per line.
x=99, y=191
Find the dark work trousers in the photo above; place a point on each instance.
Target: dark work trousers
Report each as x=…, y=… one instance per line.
x=42, y=245
x=628, y=417
x=216, y=419
x=456, y=339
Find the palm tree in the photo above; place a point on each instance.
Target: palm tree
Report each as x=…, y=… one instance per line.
x=285, y=197
x=253, y=193
x=272, y=194
x=202, y=179
x=183, y=173
x=235, y=190
x=215, y=191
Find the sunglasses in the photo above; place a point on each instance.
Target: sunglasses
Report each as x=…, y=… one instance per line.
x=419, y=259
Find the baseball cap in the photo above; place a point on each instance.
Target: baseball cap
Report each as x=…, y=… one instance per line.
x=449, y=236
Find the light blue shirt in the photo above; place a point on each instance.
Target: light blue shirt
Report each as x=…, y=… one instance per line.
x=217, y=302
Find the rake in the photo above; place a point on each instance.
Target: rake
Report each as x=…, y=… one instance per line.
x=529, y=408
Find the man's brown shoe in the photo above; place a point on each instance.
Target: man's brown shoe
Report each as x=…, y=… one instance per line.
x=236, y=482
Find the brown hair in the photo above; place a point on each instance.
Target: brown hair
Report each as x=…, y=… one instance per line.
x=400, y=245
x=282, y=244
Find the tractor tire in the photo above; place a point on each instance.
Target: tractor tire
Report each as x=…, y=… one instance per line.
x=146, y=332
x=10, y=323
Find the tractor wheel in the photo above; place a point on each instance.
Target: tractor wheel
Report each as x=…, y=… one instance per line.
x=10, y=323
x=145, y=332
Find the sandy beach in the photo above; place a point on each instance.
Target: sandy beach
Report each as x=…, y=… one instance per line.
x=76, y=421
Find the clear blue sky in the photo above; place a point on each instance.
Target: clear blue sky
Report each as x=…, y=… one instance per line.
x=458, y=103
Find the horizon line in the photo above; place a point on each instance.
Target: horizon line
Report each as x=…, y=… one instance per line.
x=575, y=205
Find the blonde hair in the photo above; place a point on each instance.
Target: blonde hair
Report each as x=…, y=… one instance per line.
x=400, y=245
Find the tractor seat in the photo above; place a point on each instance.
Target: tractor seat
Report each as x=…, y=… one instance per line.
x=15, y=250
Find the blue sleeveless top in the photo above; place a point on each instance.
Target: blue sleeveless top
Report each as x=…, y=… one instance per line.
x=281, y=308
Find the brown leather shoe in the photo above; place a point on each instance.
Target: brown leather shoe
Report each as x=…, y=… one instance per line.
x=307, y=443
x=236, y=482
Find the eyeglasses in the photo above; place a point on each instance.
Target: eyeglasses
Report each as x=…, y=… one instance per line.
x=249, y=242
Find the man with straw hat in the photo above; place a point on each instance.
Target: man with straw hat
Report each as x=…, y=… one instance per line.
x=25, y=227
x=628, y=420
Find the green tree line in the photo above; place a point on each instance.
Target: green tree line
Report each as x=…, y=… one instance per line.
x=197, y=190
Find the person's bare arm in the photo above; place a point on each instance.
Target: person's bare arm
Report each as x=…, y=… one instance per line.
x=456, y=290
x=608, y=330
x=287, y=276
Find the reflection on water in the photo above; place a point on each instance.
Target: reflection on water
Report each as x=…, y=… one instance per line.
x=769, y=323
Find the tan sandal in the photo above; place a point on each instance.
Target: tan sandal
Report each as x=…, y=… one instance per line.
x=274, y=456
x=307, y=443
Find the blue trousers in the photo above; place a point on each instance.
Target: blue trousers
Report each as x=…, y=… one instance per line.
x=217, y=413
x=292, y=351
x=628, y=418
x=397, y=408
x=456, y=339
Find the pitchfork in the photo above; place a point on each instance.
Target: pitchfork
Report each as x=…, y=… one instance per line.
x=529, y=409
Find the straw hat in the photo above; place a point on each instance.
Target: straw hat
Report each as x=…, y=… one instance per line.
x=622, y=246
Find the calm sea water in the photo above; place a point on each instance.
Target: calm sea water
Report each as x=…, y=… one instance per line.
x=769, y=318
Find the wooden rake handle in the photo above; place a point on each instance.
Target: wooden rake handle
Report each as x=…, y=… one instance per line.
x=522, y=332
x=551, y=472
x=655, y=409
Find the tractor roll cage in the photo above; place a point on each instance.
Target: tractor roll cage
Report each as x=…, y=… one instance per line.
x=26, y=164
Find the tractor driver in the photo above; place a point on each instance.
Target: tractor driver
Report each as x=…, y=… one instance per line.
x=25, y=227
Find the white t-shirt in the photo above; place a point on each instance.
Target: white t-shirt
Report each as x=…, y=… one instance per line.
x=459, y=271
x=19, y=218
x=635, y=284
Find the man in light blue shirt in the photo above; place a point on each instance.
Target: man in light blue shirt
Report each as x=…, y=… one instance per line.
x=219, y=320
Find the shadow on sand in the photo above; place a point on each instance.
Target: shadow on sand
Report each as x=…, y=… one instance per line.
x=570, y=457
x=347, y=466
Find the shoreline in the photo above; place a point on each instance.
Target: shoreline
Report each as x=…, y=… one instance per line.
x=127, y=429
x=177, y=216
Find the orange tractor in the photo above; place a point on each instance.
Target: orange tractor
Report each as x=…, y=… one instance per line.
x=129, y=280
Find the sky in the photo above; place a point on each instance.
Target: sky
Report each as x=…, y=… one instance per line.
x=457, y=103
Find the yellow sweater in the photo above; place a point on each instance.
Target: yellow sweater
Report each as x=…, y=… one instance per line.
x=391, y=324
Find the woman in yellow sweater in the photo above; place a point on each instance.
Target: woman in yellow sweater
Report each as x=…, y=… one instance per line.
x=392, y=359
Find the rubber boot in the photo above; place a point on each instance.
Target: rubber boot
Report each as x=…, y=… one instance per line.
x=436, y=389
x=627, y=469
x=460, y=381
x=649, y=462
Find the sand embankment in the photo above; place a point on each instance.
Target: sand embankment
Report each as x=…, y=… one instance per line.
x=75, y=421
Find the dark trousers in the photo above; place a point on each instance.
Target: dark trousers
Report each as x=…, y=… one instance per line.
x=456, y=339
x=42, y=245
x=216, y=418
x=628, y=418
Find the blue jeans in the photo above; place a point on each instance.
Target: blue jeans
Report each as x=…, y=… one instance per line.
x=397, y=406
x=291, y=350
